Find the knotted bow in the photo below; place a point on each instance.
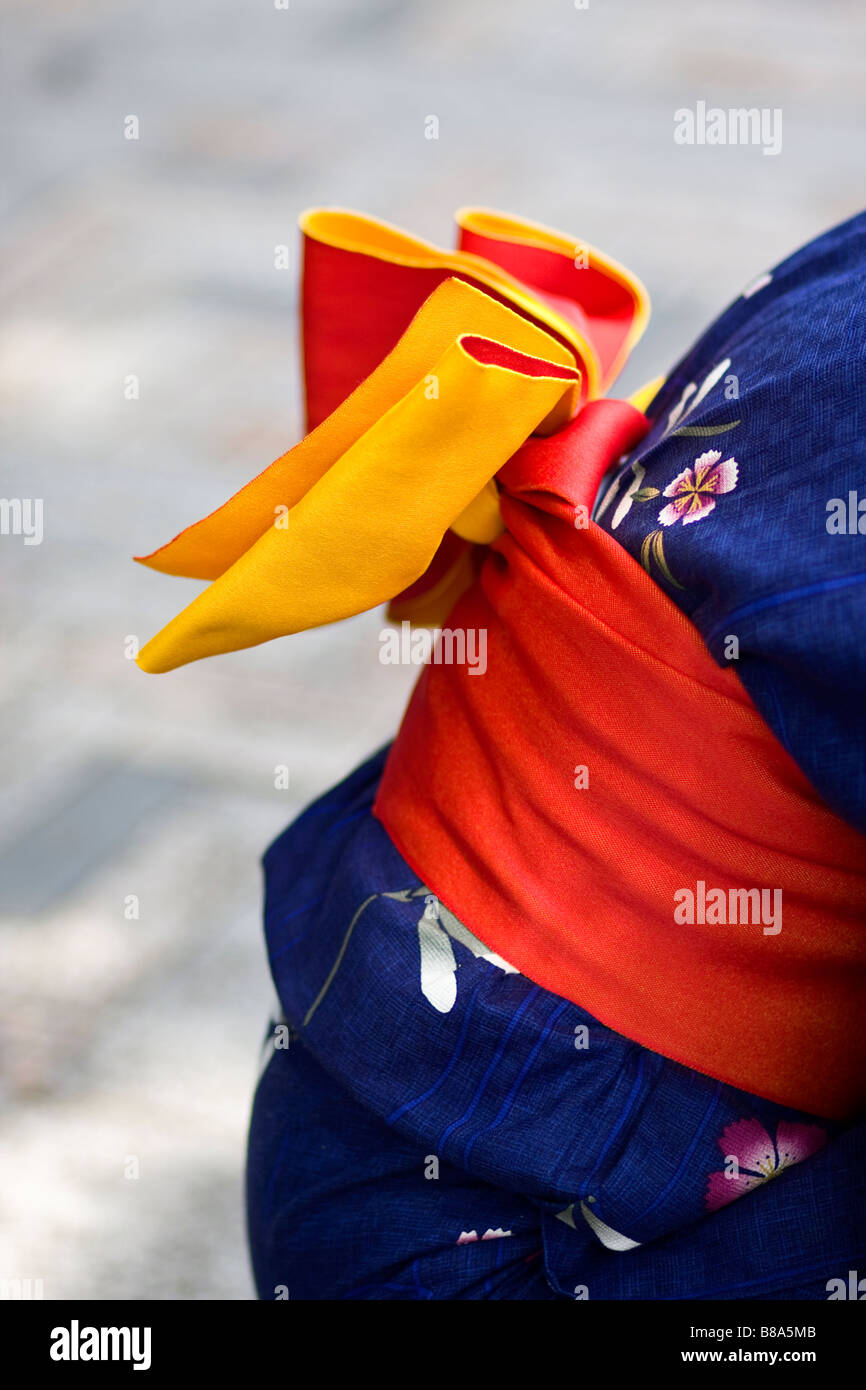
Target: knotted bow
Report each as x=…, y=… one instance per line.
x=455, y=418
x=426, y=371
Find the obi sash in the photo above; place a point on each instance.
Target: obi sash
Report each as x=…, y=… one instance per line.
x=603, y=805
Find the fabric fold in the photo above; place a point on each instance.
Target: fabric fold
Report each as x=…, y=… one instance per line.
x=607, y=809
x=207, y=548
x=363, y=280
x=370, y=526
x=381, y=309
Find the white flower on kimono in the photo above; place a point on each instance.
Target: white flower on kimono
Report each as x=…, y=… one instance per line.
x=635, y=493
x=492, y=1233
x=759, y=284
x=436, y=927
x=695, y=489
x=691, y=398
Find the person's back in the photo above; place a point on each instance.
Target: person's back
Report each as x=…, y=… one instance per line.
x=580, y=959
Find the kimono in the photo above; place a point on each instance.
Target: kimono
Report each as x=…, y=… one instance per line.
x=571, y=975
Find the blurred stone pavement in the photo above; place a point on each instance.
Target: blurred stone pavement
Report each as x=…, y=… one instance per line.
x=129, y=1044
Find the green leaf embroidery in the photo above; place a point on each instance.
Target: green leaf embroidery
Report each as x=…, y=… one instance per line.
x=644, y=494
x=652, y=548
x=704, y=431
x=658, y=553
x=645, y=550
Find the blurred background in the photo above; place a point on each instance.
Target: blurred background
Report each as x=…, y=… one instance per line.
x=134, y=809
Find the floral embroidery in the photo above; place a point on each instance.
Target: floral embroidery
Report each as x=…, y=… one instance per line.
x=691, y=399
x=755, y=1158
x=759, y=284
x=652, y=550
x=696, y=488
x=635, y=493
x=694, y=493
x=436, y=928
x=469, y=1237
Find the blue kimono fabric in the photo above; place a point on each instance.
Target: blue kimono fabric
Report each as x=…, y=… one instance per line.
x=750, y=484
x=431, y=1124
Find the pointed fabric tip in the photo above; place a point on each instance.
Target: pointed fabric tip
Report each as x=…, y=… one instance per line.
x=370, y=526
x=148, y=661
x=207, y=548
x=392, y=494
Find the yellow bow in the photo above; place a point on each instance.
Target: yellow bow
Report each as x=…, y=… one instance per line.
x=355, y=512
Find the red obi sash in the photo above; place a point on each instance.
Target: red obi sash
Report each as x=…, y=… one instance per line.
x=603, y=776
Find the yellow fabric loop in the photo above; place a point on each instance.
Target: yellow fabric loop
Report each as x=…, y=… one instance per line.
x=206, y=549
x=369, y=527
x=352, y=231
x=481, y=522
x=502, y=226
x=641, y=398
x=431, y=608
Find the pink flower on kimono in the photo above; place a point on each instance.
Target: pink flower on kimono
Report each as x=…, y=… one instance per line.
x=752, y=1158
x=468, y=1237
x=695, y=489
